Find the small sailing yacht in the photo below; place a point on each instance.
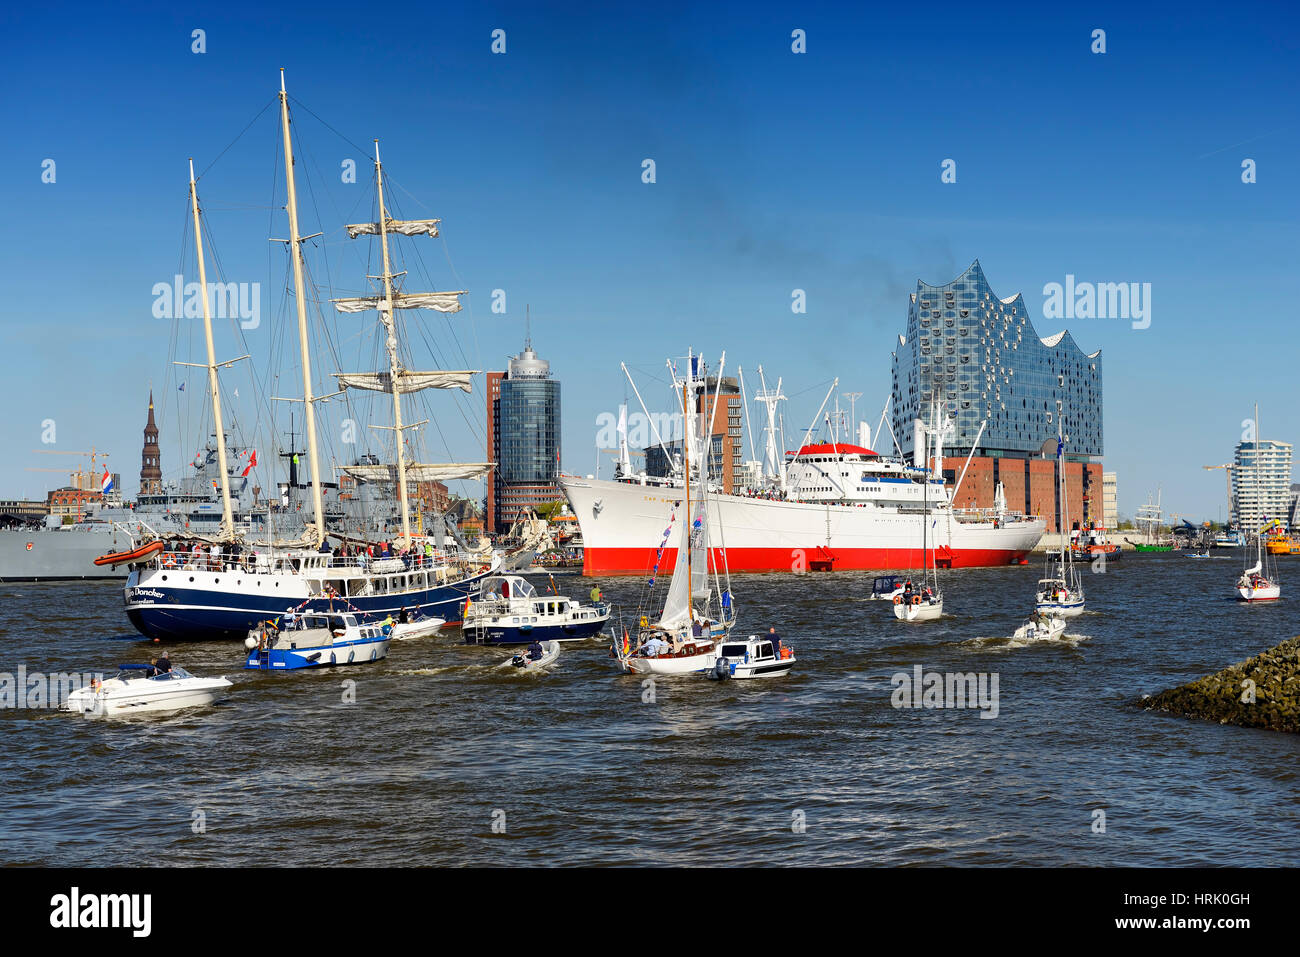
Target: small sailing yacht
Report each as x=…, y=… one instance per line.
x=1061, y=592
x=926, y=604
x=1258, y=583
x=685, y=639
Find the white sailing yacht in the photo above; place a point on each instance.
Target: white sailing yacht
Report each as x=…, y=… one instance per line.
x=926, y=604
x=1061, y=592
x=183, y=594
x=689, y=630
x=1258, y=582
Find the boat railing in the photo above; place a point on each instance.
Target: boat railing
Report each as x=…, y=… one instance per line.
x=989, y=515
x=266, y=562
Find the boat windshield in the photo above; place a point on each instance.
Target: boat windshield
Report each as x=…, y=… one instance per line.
x=884, y=585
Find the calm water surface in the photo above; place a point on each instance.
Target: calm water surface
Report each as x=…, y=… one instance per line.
x=442, y=742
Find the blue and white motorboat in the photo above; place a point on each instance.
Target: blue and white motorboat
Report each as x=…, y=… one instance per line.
x=752, y=657
x=315, y=641
x=511, y=612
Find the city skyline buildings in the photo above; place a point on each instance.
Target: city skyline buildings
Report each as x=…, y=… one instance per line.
x=782, y=172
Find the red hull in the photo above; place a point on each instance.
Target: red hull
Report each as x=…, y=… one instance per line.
x=639, y=561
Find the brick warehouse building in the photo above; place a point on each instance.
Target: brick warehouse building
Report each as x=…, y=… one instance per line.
x=981, y=360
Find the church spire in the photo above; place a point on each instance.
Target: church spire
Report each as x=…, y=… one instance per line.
x=150, y=456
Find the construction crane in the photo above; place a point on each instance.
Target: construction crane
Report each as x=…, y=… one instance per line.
x=82, y=480
x=1227, y=475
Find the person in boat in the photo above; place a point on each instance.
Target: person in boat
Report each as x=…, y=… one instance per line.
x=775, y=639
x=907, y=591
x=164, y=664
x=152, y=669
x=535, y=651
x=595, y=594
x=403, y=616
x=654, y=647
x=387, y=625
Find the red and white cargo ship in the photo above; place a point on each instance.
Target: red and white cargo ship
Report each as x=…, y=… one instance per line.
x=844, y=507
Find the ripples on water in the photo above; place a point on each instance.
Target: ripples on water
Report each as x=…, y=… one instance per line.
x=441, y=739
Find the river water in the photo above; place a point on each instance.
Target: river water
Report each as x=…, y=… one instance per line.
x=446, y=758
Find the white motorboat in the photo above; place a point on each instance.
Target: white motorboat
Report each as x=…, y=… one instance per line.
x=1040, y=628
x=550, y=651
x=419, y=628
x=135, y=691
x=752, y=657
x=885, y=588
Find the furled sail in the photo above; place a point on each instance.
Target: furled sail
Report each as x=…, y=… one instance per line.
x=438, y=301
x=407, y=381
x=407, y=227
x=420, y=472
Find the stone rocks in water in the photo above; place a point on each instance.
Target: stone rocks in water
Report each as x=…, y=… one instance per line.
x=1271, y=679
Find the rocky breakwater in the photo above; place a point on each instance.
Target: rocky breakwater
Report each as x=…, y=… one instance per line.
x=1260, y=692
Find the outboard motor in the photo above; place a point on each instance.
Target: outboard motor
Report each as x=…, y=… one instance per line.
x=518, y=661
x=722, y=669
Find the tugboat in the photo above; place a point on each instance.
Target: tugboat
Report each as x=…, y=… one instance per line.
x=512, y=613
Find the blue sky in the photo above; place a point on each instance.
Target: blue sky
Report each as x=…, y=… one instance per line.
x=775, y=171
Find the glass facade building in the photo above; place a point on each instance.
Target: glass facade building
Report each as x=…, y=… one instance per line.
x=980, y=357
x=530, y=422
x=523, y=438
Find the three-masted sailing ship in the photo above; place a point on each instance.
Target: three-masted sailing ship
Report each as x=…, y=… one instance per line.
x=227, y=586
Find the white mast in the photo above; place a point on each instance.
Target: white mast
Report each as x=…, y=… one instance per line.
x=227, y=519
x=295, y=250
x=390, y=342
x=773, y=464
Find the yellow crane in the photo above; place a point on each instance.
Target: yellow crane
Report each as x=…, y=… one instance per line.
x=1227, y=475
x=81, y=479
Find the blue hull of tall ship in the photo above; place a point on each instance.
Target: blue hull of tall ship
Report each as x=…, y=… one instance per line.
x=170, y=613
x=519, y=635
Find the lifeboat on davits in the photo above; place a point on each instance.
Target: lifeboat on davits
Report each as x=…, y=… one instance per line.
x=134, y=555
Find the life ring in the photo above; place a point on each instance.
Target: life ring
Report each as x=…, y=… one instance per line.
x=898, y=599
x=916, y=599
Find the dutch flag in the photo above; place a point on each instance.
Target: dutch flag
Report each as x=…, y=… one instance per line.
x=107, y=481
